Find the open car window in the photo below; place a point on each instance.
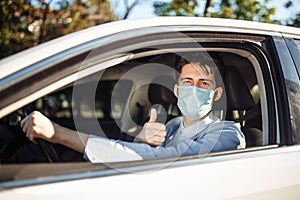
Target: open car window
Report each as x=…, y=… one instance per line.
x=119, y=100
x=115, y=92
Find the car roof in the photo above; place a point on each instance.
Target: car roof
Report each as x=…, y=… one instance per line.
x=23, y=59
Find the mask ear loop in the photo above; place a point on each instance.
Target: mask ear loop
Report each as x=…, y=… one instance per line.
x=214, y=94
x=213, y=101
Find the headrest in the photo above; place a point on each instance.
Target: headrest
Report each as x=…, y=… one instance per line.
x=237, y=92
x=161, y=90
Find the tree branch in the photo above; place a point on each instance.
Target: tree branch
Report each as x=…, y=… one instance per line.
x=129, y=8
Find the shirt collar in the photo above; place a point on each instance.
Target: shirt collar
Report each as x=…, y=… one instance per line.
x=191, y=131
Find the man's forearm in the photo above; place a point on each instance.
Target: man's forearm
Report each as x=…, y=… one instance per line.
x=72, y=139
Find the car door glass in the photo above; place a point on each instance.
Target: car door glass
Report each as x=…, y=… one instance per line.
x=296, y=54
x=296, y=57
x=293, y=87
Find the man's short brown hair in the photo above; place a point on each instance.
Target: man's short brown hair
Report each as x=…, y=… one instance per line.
x=203, y=59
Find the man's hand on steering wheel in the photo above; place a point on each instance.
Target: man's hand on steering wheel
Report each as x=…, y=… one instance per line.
x=39, y=129
x=37, y=125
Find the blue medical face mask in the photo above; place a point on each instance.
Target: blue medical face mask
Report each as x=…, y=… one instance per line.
x=194, y=102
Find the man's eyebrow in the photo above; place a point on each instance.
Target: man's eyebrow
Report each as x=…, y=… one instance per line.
x=182, y=78
x=203, y=79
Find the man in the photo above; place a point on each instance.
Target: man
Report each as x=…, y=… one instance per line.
x=196, y=132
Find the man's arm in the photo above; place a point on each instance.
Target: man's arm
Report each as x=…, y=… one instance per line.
x=101, y=149
x=219, y=137
x=36, y=125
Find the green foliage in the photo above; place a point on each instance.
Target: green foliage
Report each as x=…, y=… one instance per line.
x=295, y=21
x=26, y=23
x=14, y=18
x=251, y=10
x=176, y=8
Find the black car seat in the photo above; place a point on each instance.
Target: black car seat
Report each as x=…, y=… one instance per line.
x=240, y=100
x=161, y=97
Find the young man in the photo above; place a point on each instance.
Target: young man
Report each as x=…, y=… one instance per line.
x=196, y=132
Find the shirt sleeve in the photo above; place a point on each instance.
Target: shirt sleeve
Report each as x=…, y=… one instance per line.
x=99, y=149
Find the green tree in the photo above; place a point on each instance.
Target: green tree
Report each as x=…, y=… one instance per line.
x=26, y=23
x=294, y=21
x=123, y=8
x=15, y=16
x=70, y=16
x=66, y=18
x=129, y=7
x=252, y=10
x=176, y=8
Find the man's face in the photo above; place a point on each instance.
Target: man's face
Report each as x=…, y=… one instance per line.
x=195, y=75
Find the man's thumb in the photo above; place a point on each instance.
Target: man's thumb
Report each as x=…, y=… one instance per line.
x=153, y=115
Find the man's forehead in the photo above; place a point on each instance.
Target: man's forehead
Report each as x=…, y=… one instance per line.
x=198, y=67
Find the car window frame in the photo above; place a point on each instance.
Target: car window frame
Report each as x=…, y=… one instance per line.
x=283, y=69
x=226, y=35
x=258, y=51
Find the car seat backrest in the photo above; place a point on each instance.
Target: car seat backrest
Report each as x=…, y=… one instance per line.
x=161, y=90
x=238, y=94
x=161, y=95
x=239, y=99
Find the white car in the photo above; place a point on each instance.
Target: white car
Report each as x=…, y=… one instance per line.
x=103, y=80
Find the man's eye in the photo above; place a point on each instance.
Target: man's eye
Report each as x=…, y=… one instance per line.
x=186, y=82
x=204, y=84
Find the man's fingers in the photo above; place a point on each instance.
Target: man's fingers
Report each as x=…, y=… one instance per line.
x=159, y=141
x=162, y=133
x=23, y=122
x=24, y=125
x=153, y=115
x=159, y=137
x=155, y=126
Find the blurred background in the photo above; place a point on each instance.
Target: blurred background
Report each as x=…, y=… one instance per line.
x=27, y=23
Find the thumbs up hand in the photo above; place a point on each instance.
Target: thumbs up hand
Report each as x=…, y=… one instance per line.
x=153, y=133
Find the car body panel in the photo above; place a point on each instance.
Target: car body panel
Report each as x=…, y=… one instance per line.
x=228, y=178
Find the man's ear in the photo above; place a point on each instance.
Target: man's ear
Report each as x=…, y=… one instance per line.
x=218, y=93
x=175, y=90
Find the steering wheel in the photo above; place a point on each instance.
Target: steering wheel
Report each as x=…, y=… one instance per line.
x=47, y=147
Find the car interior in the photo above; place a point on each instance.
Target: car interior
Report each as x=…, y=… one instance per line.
x=115, y=102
